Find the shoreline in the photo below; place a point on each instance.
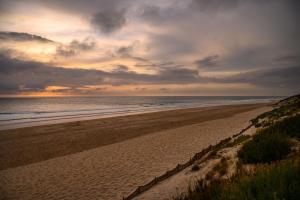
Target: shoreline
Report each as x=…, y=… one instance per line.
x=150, y=145
x=9, y=124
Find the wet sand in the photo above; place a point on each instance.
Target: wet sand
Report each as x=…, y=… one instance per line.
x=108, y=158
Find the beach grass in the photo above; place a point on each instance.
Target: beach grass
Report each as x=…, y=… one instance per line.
x=272, y=182
x=271, y=143
x=221, y=167
x=265, y=148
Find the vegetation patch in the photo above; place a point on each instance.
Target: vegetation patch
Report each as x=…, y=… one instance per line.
x=288, y=107
x=264, y=148
x=221, y=167
x=238, y=140
x=289, y=126
x=272, y=182
x=271, y=143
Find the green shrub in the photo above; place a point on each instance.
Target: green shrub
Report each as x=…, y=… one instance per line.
x=272, y=182
x=288, y=126
x=279, y=182
x=264, y=148
x=271, y=143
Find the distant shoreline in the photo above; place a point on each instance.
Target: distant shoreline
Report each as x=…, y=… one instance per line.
x=32, y=121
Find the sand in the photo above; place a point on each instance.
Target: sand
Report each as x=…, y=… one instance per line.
x=131, y=151
x=179, y=184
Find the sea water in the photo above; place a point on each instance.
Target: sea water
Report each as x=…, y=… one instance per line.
x=22, y=112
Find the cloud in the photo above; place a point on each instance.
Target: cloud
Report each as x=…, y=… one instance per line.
x=129, y=51
x=152, y=13
x=23, y=37
x=121, y=68
x=106, y=16
x=75, y=47
x=20, y=75
x=16, y=74
x=287, y=59
x=108, y=21
x=214, y=5
x=86, y=44
x=241, y=32
x=164, y=89
x=209, y=61
x=65, y=51
x=276, y=79
x=151, y=65
x=125, y=50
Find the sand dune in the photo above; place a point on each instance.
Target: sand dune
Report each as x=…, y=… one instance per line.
x=113, y=171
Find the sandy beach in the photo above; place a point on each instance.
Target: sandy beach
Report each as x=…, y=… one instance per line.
x=109, y=158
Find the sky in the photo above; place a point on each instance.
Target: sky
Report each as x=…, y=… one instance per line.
x=142, y=47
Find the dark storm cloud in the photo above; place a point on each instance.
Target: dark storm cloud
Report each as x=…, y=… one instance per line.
x=209, y=61
x=16, y=36
x=108, y=21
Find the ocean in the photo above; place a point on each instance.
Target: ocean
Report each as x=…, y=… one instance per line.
x=23, y=112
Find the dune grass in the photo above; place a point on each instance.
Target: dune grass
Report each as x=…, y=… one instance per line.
x=222, y=167
x=271, y=143
x=272, y=182
x=264, y=148
x=288, y=107
x=289, y=126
